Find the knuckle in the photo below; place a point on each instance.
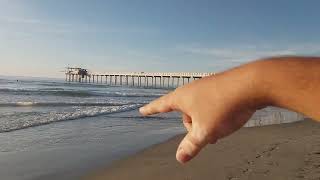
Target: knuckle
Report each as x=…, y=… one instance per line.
x=176, y=98
x=195, y=141
x=201, y=135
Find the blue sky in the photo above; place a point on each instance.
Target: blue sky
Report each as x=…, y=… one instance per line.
x=41, y=37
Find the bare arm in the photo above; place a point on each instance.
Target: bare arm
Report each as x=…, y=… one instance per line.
x=292, y=83
x=216, y=106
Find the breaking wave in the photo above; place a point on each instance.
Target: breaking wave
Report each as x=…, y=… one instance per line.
x=57, y=104
x=74, y=93
x=24, y=120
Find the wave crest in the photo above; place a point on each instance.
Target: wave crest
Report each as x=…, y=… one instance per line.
x=55, y=104
x=26, y=120
x=74, y=93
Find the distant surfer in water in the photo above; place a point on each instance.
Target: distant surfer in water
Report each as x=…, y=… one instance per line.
x=216, y=106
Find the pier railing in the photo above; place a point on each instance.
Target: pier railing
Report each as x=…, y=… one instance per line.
x=144, y=79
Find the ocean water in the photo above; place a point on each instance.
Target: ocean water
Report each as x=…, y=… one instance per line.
x=56, y=130
x=33, y=103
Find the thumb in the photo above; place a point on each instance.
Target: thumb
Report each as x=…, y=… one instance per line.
x=190, y=146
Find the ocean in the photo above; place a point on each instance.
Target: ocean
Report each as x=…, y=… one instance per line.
x=50, y=129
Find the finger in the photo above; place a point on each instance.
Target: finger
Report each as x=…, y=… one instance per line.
x=188, y=126
x=160, y=105
x=186, y=118
x=190, y=146
x=187, y=122
x=213, y=141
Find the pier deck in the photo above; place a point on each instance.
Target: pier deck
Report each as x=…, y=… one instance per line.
x=143, y=79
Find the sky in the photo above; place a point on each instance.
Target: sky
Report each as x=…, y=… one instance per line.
x=41, y=37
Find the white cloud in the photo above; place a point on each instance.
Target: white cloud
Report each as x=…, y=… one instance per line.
x=20, y=20
x=245, y=53
x=15, y=24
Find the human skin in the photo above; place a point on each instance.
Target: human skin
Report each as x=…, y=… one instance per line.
x=216, y=106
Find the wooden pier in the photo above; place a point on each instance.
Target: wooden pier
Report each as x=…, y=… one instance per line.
x=140, y=79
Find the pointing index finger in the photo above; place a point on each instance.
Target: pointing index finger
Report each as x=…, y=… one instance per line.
x=160, y=105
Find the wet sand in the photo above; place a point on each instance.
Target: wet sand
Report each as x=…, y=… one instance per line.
x=278, y=152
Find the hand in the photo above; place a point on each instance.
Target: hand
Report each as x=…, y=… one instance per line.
x=212, y=107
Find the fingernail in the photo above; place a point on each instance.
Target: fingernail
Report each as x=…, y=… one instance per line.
x=182, y=156
x=142, y=109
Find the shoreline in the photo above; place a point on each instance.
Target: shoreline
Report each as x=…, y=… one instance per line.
x=283, y=151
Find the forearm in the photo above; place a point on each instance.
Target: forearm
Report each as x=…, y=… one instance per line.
x=290, y=82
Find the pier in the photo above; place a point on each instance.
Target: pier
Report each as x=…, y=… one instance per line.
x=139, y=79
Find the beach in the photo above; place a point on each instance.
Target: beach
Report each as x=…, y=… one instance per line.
x=285, y=151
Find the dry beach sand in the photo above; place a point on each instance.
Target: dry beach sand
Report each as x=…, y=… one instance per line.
x=278, y=152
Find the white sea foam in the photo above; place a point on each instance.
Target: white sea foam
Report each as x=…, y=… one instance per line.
x=23, y=120
x=33, y=103
x=24, y=103
x=54, y=104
